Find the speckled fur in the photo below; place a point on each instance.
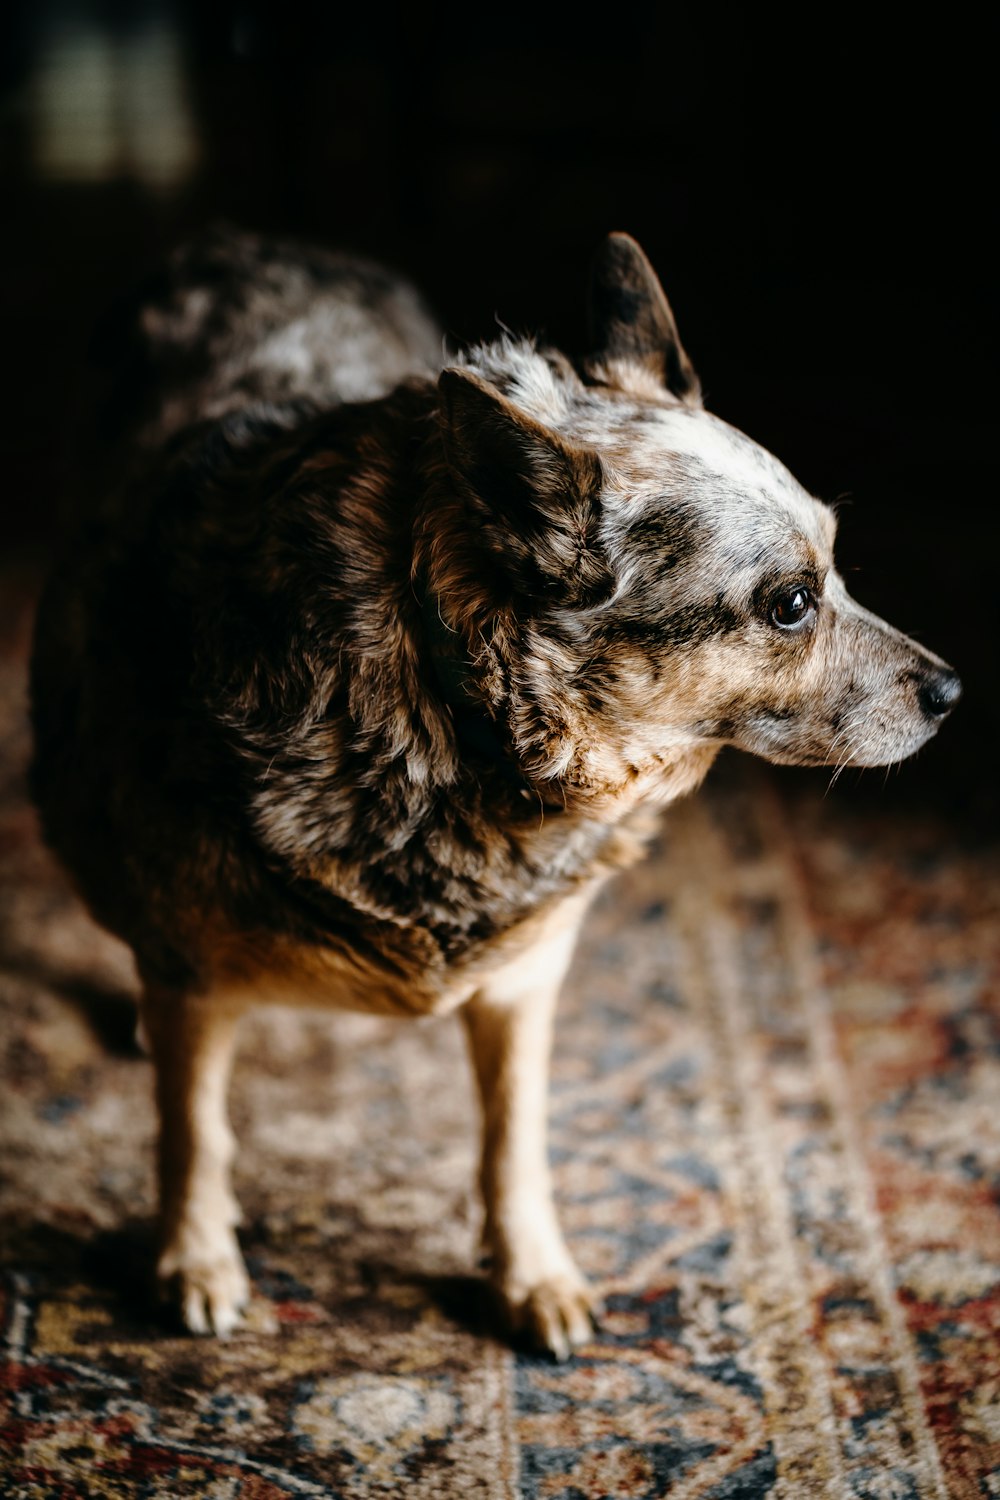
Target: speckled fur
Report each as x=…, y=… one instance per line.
x=251, y=752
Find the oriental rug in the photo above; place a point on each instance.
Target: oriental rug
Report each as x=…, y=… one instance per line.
x=775, y=1129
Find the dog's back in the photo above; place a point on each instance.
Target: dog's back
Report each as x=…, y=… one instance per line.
x=220, y=355
x=232, y=318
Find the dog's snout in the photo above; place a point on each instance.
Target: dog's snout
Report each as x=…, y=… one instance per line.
x=939, y=692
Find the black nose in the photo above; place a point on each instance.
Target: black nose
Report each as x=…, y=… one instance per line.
x=939, y=693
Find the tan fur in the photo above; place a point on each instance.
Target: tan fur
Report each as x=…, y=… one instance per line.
x=192, y=1038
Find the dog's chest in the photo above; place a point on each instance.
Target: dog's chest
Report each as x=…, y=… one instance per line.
x=463, y=883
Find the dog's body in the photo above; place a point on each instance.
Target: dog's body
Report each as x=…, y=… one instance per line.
x=365, y=675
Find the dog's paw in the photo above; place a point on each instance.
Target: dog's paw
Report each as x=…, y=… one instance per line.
x=209, y=1287
x=556, y=1315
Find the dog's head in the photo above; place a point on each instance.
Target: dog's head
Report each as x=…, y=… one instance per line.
x=649, y=582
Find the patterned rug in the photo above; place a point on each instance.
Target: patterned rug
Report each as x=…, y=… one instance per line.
x=776, y=1139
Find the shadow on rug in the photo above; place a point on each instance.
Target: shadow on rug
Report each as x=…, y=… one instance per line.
x=776, y=1138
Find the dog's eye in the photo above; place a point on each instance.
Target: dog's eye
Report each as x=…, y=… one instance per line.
x=792, y=607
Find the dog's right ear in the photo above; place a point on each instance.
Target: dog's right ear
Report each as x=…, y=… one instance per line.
x=536, y=496
x=631, y=319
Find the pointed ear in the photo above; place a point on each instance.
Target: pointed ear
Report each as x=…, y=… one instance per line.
x=630, y=318
x=535, y=494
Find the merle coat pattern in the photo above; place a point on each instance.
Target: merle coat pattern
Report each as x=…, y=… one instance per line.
x=368, y=664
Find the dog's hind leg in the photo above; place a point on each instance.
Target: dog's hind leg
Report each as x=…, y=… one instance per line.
x=544, y=1296
x=192, y=1039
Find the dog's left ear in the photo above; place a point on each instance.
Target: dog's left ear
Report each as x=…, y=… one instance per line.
x=631, y=319
x=534, y=496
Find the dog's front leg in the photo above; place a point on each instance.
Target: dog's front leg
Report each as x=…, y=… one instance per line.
x=192, y=1039
x=543, y=1293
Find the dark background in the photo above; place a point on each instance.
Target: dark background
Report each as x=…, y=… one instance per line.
x=816, y=195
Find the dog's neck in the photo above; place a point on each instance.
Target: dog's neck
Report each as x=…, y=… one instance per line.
x=453, y=671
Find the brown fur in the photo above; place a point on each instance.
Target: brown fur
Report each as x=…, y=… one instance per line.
x=357, y=679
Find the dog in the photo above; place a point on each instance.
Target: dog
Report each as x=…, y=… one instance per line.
x=366, y=665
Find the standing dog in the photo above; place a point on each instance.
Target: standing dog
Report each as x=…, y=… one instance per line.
x=363, y=674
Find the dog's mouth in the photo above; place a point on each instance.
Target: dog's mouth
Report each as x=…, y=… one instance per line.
x=868, y=735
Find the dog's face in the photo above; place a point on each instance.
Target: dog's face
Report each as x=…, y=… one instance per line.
x=728, y=593
x=677, y=574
